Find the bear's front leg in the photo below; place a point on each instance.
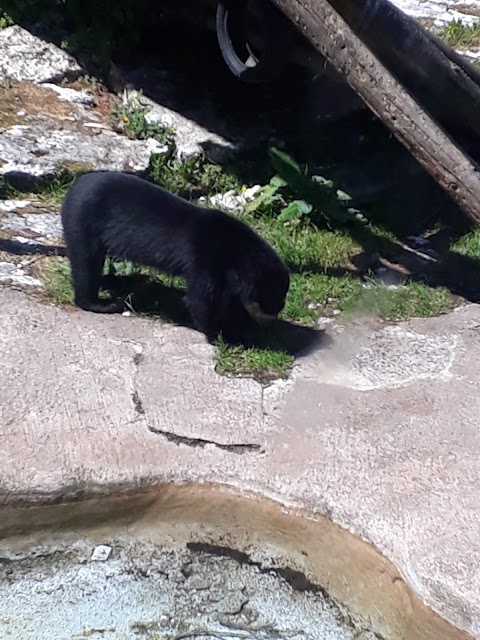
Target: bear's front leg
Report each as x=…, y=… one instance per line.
x=203, y=303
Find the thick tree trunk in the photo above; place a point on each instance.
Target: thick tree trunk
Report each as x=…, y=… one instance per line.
x=387, y=98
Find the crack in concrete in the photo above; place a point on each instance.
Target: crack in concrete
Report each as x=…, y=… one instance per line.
x=137, y=403
x=296, y=579
x=139, y=409
x=239, y=448
x=135, y=396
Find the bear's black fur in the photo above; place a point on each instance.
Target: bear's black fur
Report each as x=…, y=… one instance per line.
x=227, y=266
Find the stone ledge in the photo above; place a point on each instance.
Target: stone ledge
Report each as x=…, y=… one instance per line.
x=397, y=465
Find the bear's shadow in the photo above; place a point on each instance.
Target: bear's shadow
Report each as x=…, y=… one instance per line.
x=153, y=298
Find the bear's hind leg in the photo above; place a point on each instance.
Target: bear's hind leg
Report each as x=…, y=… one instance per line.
x=87, y=266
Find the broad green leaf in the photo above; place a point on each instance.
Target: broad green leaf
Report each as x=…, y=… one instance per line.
x=280, y=157
x=295, y=210
x=341, y=195
x=323, y=181
x=278, y=182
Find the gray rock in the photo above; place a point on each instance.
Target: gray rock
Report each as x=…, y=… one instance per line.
x=41, y=226
x=27, y=57
x=441, y=13
x=198, y=125
x=14, y=205
x=191, y=139
x=71, y=95
x=40, y=148
x=15, y=274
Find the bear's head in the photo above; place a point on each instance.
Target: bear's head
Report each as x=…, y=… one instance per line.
x=268, y=296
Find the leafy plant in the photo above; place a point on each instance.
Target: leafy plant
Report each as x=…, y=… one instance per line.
x=121, y=267
x=5, y=20
x=192, y=178
x=130, y=118
x=294, y=194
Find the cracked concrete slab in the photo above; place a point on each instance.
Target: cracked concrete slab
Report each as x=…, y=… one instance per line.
x=390, y=453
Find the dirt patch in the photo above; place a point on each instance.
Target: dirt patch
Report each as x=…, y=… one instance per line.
x=20, y=101
x=5, y=256
x=469, y=10
x=104, y=100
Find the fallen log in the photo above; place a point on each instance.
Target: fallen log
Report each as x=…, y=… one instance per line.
x=436, y=151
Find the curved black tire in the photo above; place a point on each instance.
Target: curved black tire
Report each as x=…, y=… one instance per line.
x=235, y=50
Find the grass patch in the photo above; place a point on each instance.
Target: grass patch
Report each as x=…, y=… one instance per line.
x=58, y=286
x=52, y=190
x=7, y=190
x=468, y=245
x=306, y=248
x=131, y=120
x=460, y=36
x=194, y=178
x=412, y=300
x=49, y=191
x=263, y=364
x=310, y=294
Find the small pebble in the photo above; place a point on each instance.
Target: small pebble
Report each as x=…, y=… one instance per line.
x=101, y=553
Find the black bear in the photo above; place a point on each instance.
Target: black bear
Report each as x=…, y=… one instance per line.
x=228, y=268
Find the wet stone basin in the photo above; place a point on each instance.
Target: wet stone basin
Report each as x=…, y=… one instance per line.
x=132, y=588
x=184, y=562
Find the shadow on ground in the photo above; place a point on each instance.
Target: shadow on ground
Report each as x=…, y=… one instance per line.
x=148, y=297
x=30, y=248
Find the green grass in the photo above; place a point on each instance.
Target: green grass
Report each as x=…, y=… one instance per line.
x=7, y=191
x=468, y=245
x=460, y=36
x=49, y=190
x=195, y=177
x=304, y=247
x=347, y=293
x=263, y=364
x=130, y=119
x=57, y=282
x=412, y=300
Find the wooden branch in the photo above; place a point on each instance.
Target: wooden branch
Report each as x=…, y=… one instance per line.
x=389, y=100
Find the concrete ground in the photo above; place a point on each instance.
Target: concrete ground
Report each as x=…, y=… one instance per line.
x=379, y=432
